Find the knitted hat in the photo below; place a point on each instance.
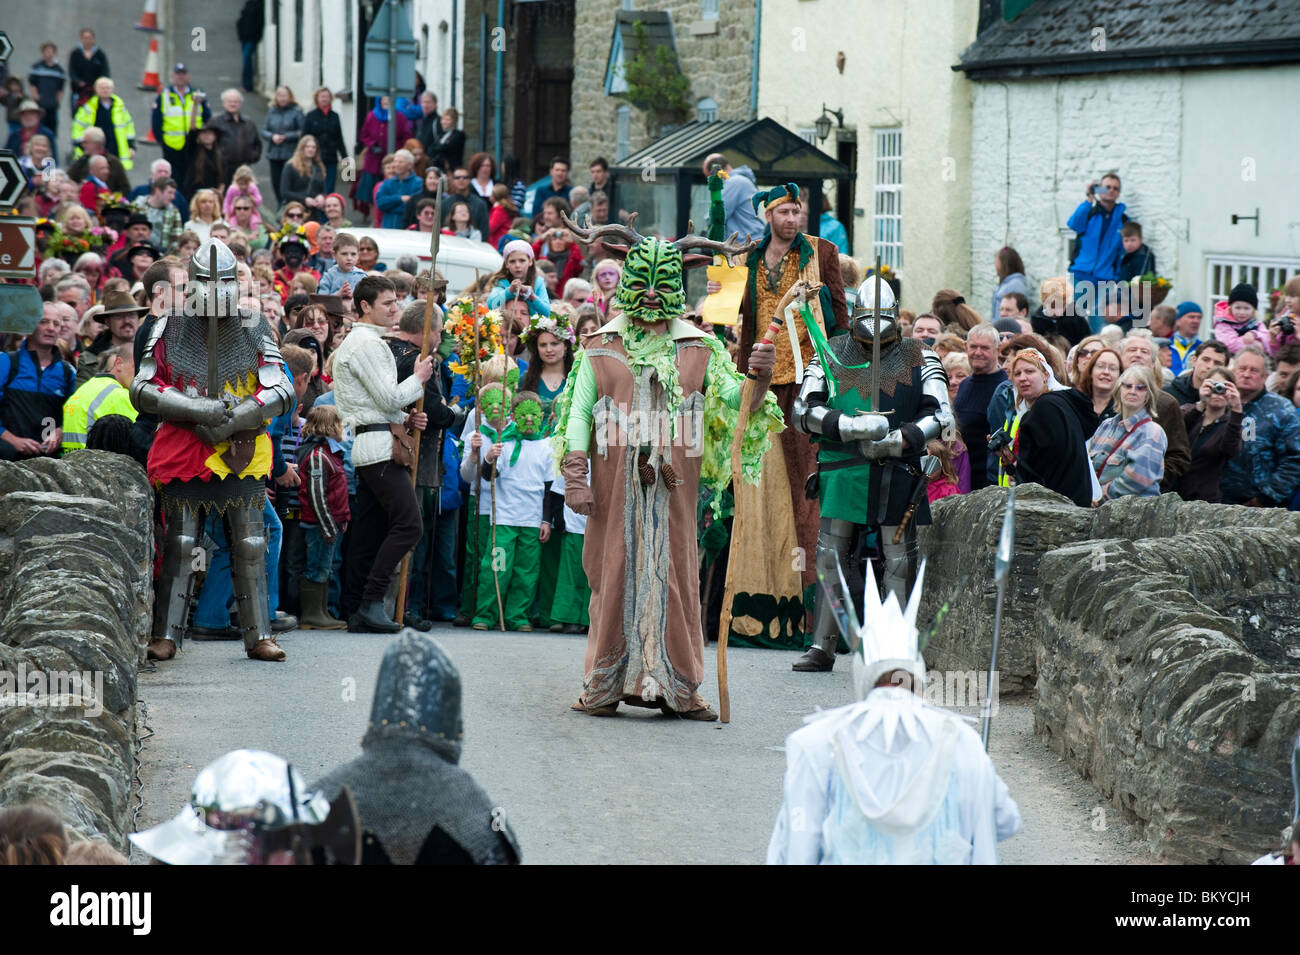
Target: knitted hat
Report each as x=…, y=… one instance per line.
x=517, y=245
x=1244, y=292
x=1186, y=307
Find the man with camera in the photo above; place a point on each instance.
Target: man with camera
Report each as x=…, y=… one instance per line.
x=1097, y=221
x=1207, y=357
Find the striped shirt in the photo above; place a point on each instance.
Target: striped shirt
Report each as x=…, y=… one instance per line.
x=1128, y=456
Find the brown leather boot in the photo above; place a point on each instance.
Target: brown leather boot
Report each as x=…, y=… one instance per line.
x=161, y=649
x=267, y=650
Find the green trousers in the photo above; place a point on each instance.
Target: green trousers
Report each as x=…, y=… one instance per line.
x=516, y=558
x=572, y=590
x=478, y=532
x=552, y=554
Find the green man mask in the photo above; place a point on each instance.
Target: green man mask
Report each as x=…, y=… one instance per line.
x=492, y=399
x=652, y=266
x=528, y=415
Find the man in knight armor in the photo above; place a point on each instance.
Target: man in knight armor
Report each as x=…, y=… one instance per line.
x=653, y=400
x=250, y=807
x=871, y=425
x=212, y=374
x=890, y=779
x=417, y=806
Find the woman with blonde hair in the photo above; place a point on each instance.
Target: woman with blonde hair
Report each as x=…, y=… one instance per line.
x=282, y=130
x=1055, y=315
x=604, y=282
x=74, y=219
x=205, y=209
x=1128, y=451
x=303, y=178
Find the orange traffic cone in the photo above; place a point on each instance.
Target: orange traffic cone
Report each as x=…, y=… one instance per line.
x=151, y=80
x=149, y=18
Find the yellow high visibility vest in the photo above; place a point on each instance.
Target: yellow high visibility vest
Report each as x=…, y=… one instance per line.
x=176, y=112
x=100, y=396
x=123, y=128
x=1004, y=479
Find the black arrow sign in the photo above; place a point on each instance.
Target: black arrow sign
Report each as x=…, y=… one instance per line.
x=12, y=180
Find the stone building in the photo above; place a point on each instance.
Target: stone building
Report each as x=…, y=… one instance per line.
x=711, y=42
x=897, y=114
x=1184, y=102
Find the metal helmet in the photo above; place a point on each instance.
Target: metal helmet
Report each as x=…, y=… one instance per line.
x=863, y=323
x=235, y=803
x=417, y=696
x=214, y=291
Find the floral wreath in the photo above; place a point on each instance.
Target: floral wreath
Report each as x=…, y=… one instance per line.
x=557, y=324
x=463, y=316
x=290, y=231
x=112, y=200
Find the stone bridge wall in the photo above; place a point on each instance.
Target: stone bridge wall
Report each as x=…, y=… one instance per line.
x=76, y=544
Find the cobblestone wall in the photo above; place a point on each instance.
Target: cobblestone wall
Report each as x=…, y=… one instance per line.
x=76, y=544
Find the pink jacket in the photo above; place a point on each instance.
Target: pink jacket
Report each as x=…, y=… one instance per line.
x=233, y=193
x=1230, y=332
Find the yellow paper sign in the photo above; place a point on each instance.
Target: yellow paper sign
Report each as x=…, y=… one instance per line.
x=723, y=306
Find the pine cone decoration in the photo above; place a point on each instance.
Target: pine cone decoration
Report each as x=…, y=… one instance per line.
x=644, y=469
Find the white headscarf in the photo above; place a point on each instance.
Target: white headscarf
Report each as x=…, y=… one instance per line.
x=1037, y=357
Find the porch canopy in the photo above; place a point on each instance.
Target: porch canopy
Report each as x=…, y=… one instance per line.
x=665, y=183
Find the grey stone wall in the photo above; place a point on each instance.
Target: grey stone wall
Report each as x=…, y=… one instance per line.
x=960, y=545
x=1163, y=680
x=719, y=65
x=76, y=545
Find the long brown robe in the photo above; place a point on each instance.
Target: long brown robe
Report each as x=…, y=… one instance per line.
x=645, y=641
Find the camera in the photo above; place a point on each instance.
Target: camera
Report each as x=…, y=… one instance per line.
x=1286, y=324
x=1218, y=387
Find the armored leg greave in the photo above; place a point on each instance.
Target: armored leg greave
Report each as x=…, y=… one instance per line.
x=176, y=581
x=246, y=531
x=900, y=561
x=834, y=539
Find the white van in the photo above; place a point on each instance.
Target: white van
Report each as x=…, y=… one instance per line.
x=460, y=260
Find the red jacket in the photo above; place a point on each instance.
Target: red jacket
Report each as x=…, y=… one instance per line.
x=572, y=265
x=323, y=493
x=499, y=222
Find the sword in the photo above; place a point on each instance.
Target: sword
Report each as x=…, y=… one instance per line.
x=929, y=467
x=875, y=344
x=1001, y=570
x=214, y=383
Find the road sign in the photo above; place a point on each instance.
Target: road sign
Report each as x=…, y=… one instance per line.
x=390, y=52
x=20, y=308
x=17, y=247
x=6, y=46
x=12, y=180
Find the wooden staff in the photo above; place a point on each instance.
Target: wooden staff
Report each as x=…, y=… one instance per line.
x=402, y=578
x=742, y=421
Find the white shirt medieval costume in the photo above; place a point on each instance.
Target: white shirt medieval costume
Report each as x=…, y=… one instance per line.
x=890, y=779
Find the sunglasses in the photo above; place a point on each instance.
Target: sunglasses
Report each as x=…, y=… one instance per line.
x=293, y=215
x=460, y=177
x=318, y=321
x=1133, y=386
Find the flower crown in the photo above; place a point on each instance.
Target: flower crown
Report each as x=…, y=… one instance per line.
x=112, y=200
x=290, y=231
x=557, y=324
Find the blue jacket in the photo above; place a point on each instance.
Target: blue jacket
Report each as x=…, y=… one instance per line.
x=1002, y=410
x=333, y=280
x=832, y=230
x=1269, y=464
x=54, y=381
x=389, y=199
x=451, y=464
x=539, y=304
x=741, y=217
x=1100, y=247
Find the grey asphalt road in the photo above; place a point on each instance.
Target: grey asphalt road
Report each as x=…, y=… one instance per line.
x=213, y=67
x=641, y=788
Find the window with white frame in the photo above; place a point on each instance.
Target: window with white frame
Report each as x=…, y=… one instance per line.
x=887, y=209
x=623, y=135
x=808, y=134
x=1265, y=273
x=707, y=110
x=709, y=9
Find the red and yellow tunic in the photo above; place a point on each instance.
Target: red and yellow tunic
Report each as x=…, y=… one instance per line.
x=179, y=454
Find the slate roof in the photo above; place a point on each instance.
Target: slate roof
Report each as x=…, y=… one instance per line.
x=763, y=144
x=1059, y=37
